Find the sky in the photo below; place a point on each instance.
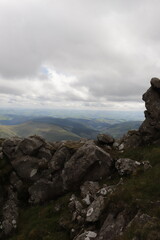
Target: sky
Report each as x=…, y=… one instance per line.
x=83, y=54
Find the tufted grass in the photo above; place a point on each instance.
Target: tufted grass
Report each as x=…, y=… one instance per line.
x=41, y=222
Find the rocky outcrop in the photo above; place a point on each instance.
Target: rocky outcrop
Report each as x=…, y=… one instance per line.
x=150, y=128
x=149, y=131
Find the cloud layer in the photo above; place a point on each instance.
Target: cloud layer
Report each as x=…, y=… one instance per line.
x=78, y=53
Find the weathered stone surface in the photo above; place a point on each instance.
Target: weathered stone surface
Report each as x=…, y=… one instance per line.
x=150, y=128
x=16, y=182
x=10, y=148
x=89, y=163
x=132, y=140
x=45, y=190
x=27, y=167
x=31, y=145
x=44, y=153
x=145, y=224
x=95, y=209
x=87, y=235
x=10, y=213
x=58, y=160
x=155, y=82
x=105, y=139
x=90, y=188
x=126, y=166
x=112, y=227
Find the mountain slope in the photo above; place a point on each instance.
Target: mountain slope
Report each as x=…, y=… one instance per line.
x=48, y=131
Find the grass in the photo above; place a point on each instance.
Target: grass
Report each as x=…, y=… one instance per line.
x=50, y=132
x=42, y=222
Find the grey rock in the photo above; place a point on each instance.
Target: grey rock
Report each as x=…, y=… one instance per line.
x=126, y=166
x=89, y=187
x=105, y=139
x=112, y=227
x=95, y=209
x=44, y=153
x=26, y=167
x=87, y=235
x=89, y=163
x=31, y=145
x=155, y=82
x=45, y=190
x=10, y=213
x=58, y=160
x=10, y=148
x=16, y=182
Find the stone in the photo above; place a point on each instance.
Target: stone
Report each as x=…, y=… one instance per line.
x=105, y=139
x=95, y=209
x=44, y=153
x=126, y=166
x=27, y=167
x=31, y=145
x=155, y=82
x=10, y=148
x=90, y=162
x=89, y=188
x=10, y=213
x=87, y=235
x=58, y=160
x=112, y=227
x=45, y=190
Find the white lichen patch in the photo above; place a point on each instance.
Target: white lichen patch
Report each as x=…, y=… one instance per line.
x=33, y=172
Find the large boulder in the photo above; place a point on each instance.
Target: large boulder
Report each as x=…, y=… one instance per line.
x=29, y=168
x=59, y=158
x=90, y=162
x=113, y=226
x=10, y=148
x=31, y=145
x=105, y=139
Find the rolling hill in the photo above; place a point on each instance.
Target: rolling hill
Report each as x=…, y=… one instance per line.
x=57, y=129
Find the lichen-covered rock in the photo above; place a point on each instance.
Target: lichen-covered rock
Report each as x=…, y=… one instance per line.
x=87, y=235
x=95, y=209
x=10, y=213
x=105, y=139
x=126, y=166
x=112, y=227
x=89, y=163
x=27, y=167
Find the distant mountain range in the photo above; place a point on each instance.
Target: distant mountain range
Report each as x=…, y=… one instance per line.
x=57, y=129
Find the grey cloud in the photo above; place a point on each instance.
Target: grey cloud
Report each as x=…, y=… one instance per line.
x=111, y=47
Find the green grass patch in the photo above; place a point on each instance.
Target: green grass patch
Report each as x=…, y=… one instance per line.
x=42, y=222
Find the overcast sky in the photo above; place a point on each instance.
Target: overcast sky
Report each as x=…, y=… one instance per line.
x=78, y=53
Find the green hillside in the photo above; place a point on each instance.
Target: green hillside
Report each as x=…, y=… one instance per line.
x=49, y=131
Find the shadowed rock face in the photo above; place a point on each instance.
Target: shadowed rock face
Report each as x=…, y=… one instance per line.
x=149, y=131
x=150, y=128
